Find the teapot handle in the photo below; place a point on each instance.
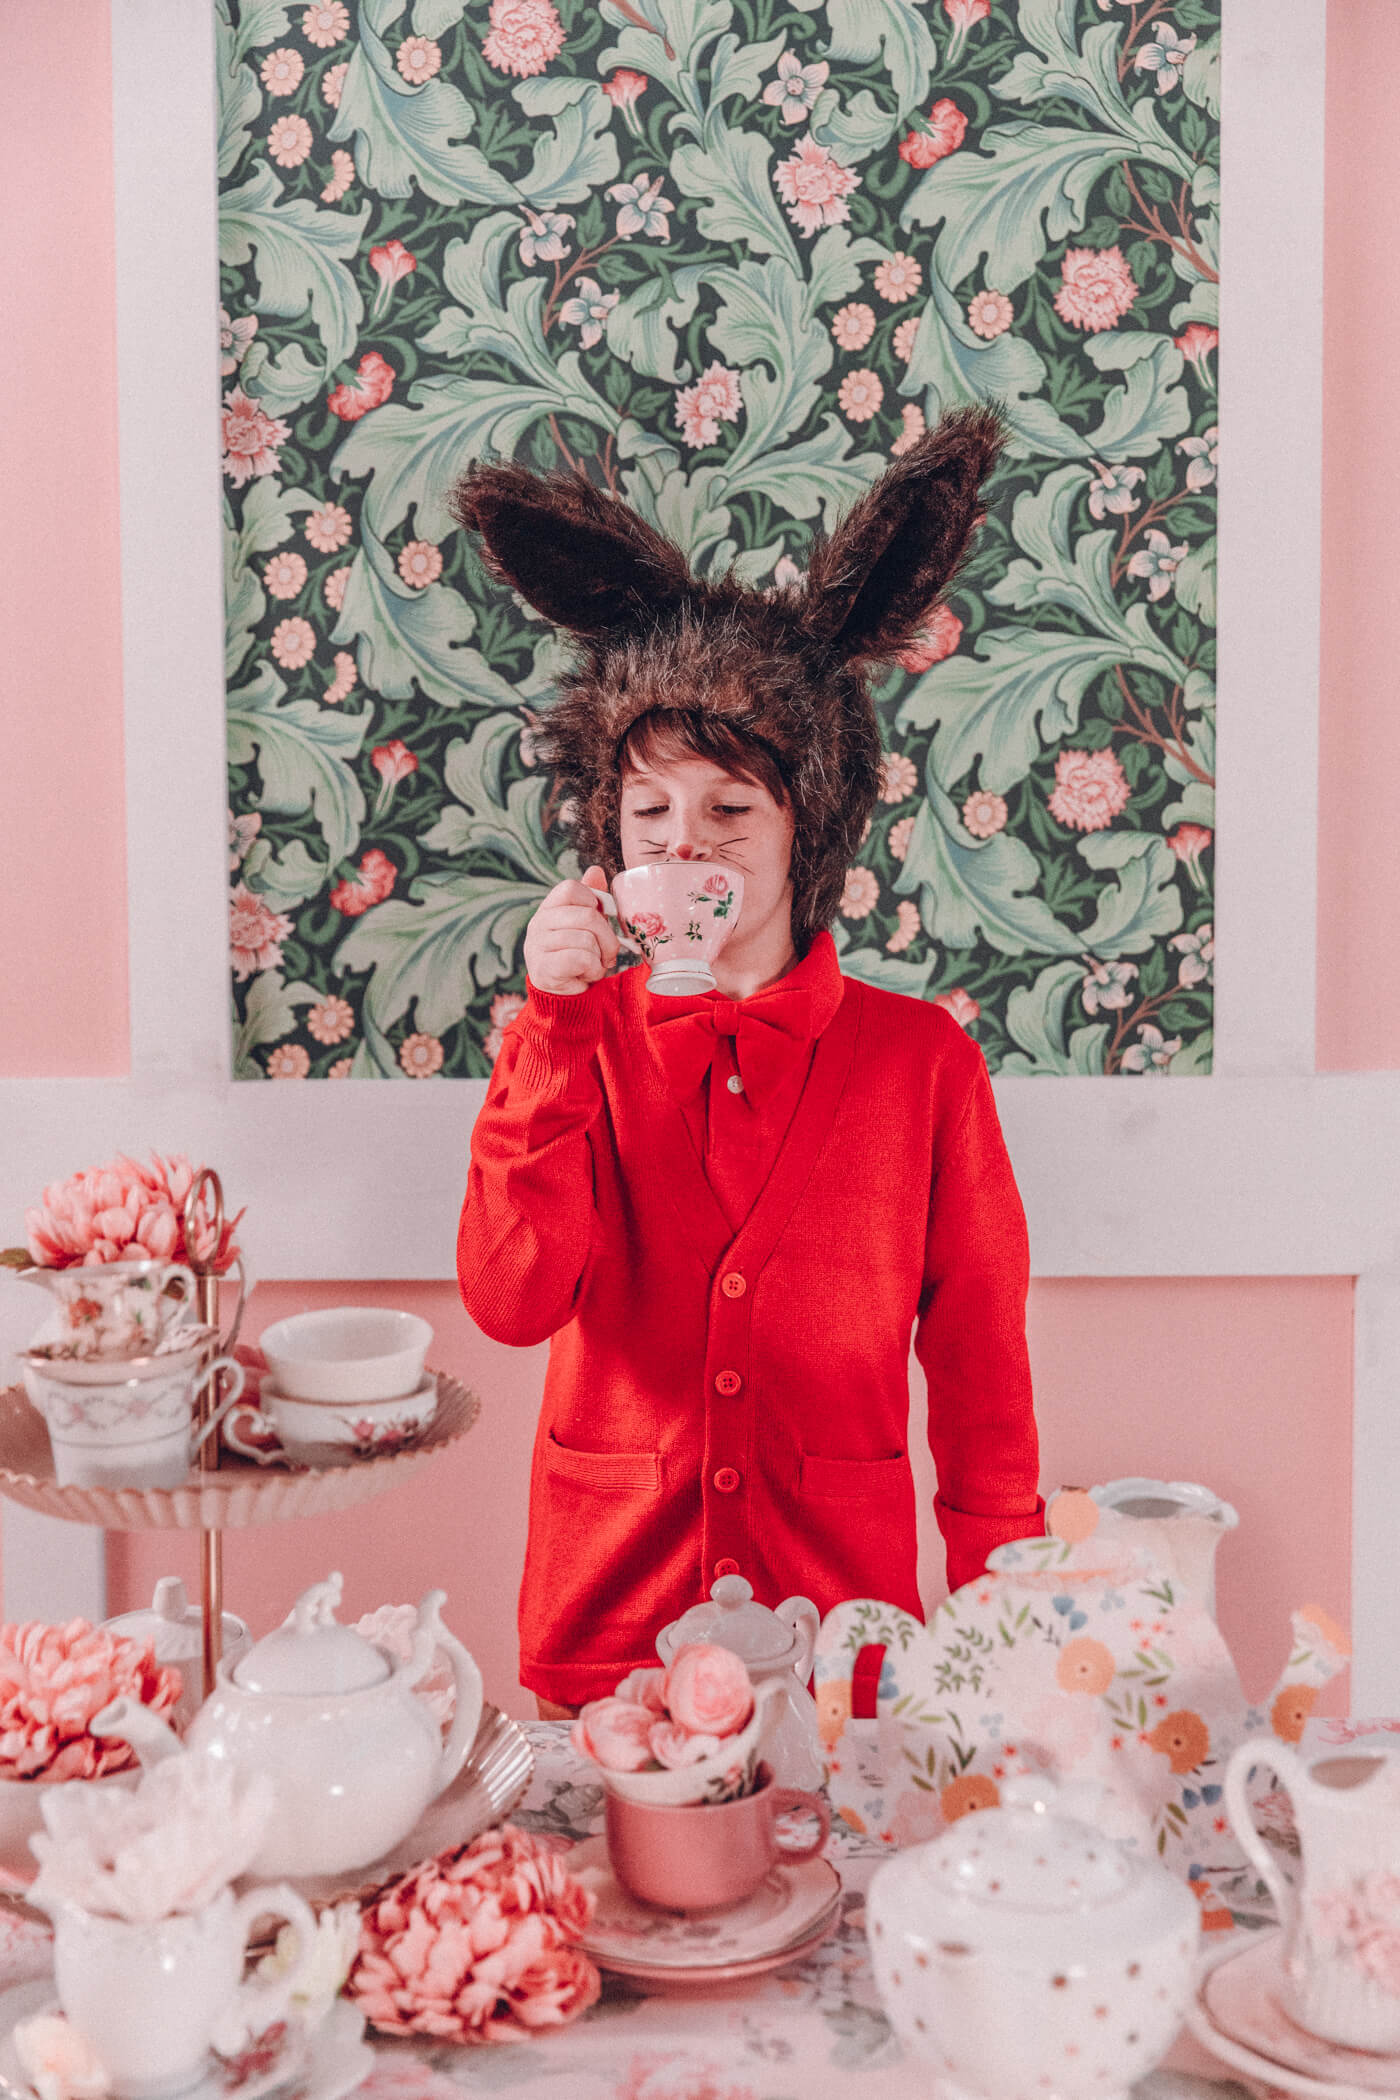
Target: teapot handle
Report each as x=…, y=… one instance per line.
x=1262, y=1750
x=466, y=1714
x=805, y=1620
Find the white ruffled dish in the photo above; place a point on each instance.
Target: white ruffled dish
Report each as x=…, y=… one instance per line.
x=1238, y=2013
x=785, y=1911
x=332, y=2063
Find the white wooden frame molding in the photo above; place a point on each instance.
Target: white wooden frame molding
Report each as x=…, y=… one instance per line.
x=1266, y=1168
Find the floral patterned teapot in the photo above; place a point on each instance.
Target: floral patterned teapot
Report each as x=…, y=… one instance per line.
x=1083, y=1659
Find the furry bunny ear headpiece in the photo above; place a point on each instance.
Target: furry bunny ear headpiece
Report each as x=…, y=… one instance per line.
x=784, y=670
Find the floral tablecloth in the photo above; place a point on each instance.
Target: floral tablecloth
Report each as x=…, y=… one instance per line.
x=814, y=2030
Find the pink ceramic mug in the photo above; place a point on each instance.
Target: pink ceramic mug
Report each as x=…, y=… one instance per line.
x=707, y=1854
x=680, y=913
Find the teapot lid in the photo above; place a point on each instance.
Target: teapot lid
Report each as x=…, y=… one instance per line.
x=1028, y=1855
x=733, y=1620
x=171, y=1623
x=310, y=1654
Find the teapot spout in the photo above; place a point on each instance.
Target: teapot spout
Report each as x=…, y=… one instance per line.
x=1320, y=1650
x=133, y=1723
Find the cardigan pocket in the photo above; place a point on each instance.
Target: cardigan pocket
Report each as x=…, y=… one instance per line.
x=853, y=1479
x=622, y=1471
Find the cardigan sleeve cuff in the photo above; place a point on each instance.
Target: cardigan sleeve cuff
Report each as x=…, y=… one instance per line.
x=560, y=1034
x=969, y=1538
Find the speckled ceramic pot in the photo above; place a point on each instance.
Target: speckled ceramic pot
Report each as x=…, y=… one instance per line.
x=1023, y=1955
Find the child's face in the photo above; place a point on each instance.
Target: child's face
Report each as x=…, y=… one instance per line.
x=692, y=809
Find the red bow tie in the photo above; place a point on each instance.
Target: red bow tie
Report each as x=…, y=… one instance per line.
x=768, y=1031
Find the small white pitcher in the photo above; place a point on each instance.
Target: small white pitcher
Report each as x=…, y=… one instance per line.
x=1341, y=1928
x=151, y=1999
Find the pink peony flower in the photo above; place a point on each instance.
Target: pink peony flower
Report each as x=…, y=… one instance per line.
x=122, y=1212
x=814, y=186
x=942, y=132
x=1090, y=790
x=674, y=1746
x=356, y=893
x=938, y=636
x=251, y=438
x=475, y=1945
x=715, y=398
x=371, y=388
x=54, y=1680
x=707, y=1689
x=960, y=1004
x=1096, y=288
x=255, y=933
x=615, y=1733
x=524, y=36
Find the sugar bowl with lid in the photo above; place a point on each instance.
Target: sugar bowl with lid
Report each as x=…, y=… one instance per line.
x=776, y=1648
x=1023, y=1954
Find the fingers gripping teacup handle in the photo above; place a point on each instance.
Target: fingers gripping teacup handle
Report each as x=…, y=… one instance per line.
x=787, y=1799
x=1261, y=1750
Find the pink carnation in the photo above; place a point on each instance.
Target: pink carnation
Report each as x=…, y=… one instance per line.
x=615, y=1733
x=1090, y=790
x=255, y=932
x=643, y=1687
x=707, y=1689
x=814, y=186
x=54, y=1680
x=1096, y=288
x=524, y=36
x=370, y=388
x=476, y=1945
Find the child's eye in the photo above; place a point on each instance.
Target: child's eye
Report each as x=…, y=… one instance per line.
x=655, y=809
x=733, y=809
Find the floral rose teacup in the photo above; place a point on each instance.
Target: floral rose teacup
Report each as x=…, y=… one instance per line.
x=680, y=913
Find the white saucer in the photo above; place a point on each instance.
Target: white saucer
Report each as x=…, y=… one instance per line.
x=785, y=1909
x=1238, y=2014
x=336, y=2060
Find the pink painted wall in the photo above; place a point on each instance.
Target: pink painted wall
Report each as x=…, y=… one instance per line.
x=63, y=929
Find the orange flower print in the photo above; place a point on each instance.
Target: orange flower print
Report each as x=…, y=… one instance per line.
x=282, y=70
x=852, y=1821
x=1325, y=1627
x=1182, y=1738
x=1290, y=1711
x=833, y=1710
x=898, y=277
x=1213, y=1918
x=421, y=1056
x=861, y=893
x=330, y=1020
x=904, y=338
x=967, y=1793
x=289, y=1061
x=1085, y=1666
x=899, y=837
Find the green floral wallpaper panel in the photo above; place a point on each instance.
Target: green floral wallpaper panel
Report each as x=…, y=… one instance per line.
x=728, y=256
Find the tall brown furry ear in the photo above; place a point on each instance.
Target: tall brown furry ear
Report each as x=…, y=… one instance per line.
x=584, y=559
x=870, y=585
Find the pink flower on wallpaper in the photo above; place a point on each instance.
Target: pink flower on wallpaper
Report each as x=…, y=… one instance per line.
x=860, y=395
x=251, y=438
x=390, y=263
x=908, y=926
x=420, y=1056
x=852, y=326
x=235, y=341
x=715, y=398
x=963, y=13
x=504, y=1008
x=419, y=564
x=860, y=894
x=814, y=186
x=281, y=71
x=330, y=1020
x=945, y=128
x=327, y=528
x=898, y=837
x=915, y=427
x=333, y=589
x=1096, y=288
x=524, y=36
x=899, y=777
x=904, y=338
x=342, y=175
x=1197, y=342
x=357, y=893
x=794, y=93
x=984, y=814
x=1090, y=790
x=393, y=762
x=332, y=81
x=938, y=636
x=418, y=58
x=342, y=1068
x=897, y=278
x=371, y=388
x=326, y=24
x=1188, y=842
x=289, y=141
x=256, y=933
x=289, y=1061
x=1108, y=986
x=960, y=1004
x=623, y=89
x=284, y=575
x=989, y=314
x=343, y=683
x=293, y=643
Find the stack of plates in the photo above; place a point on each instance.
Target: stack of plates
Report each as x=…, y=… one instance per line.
x=786, y=1917
x=1239, y=2013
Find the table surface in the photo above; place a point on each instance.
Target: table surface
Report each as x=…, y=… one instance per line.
x=814, y=2031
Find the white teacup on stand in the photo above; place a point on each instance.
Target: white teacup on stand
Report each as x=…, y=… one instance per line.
x=680, y=913
x=151, y=1999
x=1341, y=1926
x=126, y=1432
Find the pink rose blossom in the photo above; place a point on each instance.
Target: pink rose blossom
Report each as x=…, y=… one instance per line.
x=289, y=1061
x=326, y=24
x=1096, y=288
x=673, y=1746
x=938, y=636
x=814, y=186
x=524, y=36
x=908, y=928
x=984, y=814
x=615, y=1733
x=898, y=277
x=707, y=1689
x=715, y=398
x=860, y=395
x=357, y=893
x=1090, y=790
x=342, y=175
x=960, y=1004
x=946, y=128
x=289, y=141
x=256, y=933
x=643, y=1687
x=420, y=1056
x=371, y=388
x=54, y=1680
x=328, y=528
x=418, y=58
x=852, y=326
x=251, y=438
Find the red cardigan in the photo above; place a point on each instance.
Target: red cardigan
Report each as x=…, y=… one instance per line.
x=721, y=1402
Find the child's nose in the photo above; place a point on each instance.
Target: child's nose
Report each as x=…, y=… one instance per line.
x=683, y=847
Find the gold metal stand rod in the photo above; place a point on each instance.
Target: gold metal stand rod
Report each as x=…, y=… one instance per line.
x=211, y=1542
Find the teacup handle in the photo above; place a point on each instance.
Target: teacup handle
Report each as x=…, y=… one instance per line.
x=785, y=1800
x=234, y=1431
x=1262, y=1750
x=178, y=1282
x=220, y=1363
x=260, y=2005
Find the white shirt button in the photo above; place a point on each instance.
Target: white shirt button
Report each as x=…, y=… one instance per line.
x=735, y=1084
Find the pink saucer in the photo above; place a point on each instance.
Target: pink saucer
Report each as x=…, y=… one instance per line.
x=790, y=1912
x=1238, y=2013
x=679, y=1980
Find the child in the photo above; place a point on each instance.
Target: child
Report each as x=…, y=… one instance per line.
x=729, y=1213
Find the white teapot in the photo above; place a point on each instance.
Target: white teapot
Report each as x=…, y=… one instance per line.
x=775, y=1648
x=333, y=1720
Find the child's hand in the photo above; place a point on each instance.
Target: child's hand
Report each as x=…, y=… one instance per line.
x=570, y=942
